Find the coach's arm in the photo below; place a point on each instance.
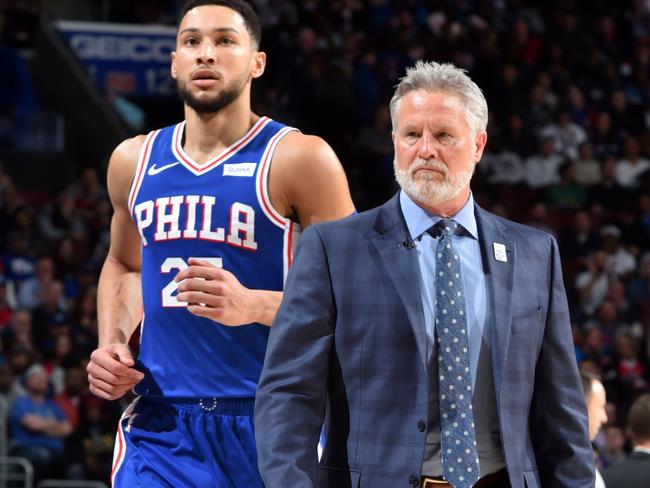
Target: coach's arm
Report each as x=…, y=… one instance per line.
x=290, y=400
x=558, y=416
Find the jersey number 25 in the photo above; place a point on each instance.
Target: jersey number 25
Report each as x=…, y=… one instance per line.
x=169, y=291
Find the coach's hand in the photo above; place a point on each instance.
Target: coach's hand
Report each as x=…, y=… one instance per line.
x=215, y=293
x=110, y=371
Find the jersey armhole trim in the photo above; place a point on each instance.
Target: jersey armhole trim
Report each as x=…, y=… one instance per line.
x=143, y=160
x=261, y=186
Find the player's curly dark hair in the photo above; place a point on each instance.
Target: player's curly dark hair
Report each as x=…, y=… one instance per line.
x=251, y=20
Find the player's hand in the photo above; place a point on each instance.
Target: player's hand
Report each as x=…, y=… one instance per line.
x=214, y=293
x=111, y=373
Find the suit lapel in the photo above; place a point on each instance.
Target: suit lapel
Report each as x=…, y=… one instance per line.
x=401, y=263
x=500, y=280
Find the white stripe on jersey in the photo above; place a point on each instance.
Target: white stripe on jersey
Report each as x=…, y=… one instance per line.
x=143, y=160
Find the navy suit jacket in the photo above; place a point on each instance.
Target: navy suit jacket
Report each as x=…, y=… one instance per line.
x=348, y=346
x=633, y=472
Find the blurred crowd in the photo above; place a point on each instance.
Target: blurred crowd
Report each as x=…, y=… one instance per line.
x=52, y=250
x=568, y=86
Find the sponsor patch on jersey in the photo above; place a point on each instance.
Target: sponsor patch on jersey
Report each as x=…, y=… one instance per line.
x=239, y=169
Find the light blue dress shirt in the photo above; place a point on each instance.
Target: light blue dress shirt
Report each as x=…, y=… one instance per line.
x=477, y=313
x=418, y=222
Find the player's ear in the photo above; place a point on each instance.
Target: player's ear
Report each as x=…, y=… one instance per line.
x=258, y=63
x=173, y=64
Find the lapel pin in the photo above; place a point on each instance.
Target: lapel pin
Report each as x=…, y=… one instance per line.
x=500, y=252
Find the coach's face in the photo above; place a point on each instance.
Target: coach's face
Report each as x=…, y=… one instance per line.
x=436, y=150
x=215, y=58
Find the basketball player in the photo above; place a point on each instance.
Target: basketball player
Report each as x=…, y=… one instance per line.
x=206, y=214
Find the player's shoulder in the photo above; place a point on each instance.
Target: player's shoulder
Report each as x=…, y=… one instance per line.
x=303, y=151
x=127, y=152
x=122, y=166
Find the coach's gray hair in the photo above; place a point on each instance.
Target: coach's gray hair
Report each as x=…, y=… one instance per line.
x=445, y=77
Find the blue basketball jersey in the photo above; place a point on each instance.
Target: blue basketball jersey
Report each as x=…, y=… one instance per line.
x=220, y=212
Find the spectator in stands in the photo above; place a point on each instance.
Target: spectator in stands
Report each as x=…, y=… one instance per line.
x=541, y=107
x=542, y=168
x=31, y=289
x=630, y=370
x=639, y=287
x=97, y=432
x=61, y=359
x=60, y=218
x=19, y=333
x=593, y=283
x=597, y=416
x=609, y=323
x=86, y=191
x=577, y=106
x=634, y=471
x=67, y=265
x=607, y=196
x=632, y=165
x=518, y=136
x=51, y=310
x=85, y=318
x=6, y=310
x=70, y=401
x=19, y=261
x=620, y=262
x=500, y=164
x=9, y=388
x=617, y=294
x=596, y=358
x=580, y=240
x=376, y=154
x=566, y=135
x=17, y=96
x=626, y=118
x=603, y=139
x=588, y=171
x=567, y=194
x=614, y=446
x=38, y=425
x=538, y=218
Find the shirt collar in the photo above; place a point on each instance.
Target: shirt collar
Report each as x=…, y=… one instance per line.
x=418, y=220
x=642, y=449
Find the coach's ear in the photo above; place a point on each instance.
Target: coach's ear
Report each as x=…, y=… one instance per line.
x=173, y=65
x=479, y=145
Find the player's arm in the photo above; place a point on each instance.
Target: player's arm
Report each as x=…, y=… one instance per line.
x=119, y=297
x=48, y=426
x=306, y=183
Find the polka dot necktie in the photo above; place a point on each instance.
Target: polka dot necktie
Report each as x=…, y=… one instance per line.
x=460, y=463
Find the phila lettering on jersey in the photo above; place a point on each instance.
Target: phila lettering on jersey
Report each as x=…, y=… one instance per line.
x=221, y=212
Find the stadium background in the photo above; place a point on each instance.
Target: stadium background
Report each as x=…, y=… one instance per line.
x=567, y=83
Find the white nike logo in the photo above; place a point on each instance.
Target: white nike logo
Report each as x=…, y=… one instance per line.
x=154, y=171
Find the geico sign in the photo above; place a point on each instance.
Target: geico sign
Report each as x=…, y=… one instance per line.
x=122, y=48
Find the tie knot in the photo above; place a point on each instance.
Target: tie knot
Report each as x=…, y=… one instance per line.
x=445, y=227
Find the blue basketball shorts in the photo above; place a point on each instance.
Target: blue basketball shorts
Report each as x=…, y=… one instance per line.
x=193, y=443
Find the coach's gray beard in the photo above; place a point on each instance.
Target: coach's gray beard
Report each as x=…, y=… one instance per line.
x=428, y=190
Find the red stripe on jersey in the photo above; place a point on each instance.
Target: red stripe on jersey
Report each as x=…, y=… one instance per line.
x=259, y=125
x=267, y=158
x=118, y=458
x=143, y=164
x=290, y=245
